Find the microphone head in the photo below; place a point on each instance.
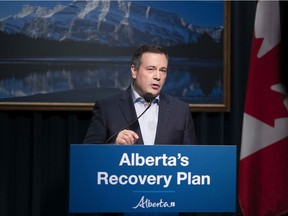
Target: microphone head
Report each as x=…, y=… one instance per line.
x=148, y=97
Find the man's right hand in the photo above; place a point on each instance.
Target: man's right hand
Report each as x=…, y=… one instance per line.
x=126, y=137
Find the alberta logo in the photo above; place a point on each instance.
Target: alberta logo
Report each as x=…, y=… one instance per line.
x=147, y=203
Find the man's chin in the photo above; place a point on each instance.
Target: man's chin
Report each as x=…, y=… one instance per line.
x=154, y=93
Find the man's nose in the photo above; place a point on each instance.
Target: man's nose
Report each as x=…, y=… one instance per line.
x=157, y=75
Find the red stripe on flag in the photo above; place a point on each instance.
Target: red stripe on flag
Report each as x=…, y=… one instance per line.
x=263, y=168
x=263, y=177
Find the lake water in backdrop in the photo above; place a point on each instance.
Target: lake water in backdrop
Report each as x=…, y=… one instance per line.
x=193, y=81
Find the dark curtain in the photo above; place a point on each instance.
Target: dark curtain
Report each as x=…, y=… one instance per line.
x=34, y=145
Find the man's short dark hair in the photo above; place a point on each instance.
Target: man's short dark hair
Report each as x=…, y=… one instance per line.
x=136, y=60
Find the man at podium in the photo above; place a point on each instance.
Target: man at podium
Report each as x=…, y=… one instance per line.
x=142, y=114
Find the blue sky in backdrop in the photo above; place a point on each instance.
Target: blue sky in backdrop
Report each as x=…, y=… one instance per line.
x=203, y=13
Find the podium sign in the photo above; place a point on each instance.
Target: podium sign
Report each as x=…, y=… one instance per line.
x=160, y=178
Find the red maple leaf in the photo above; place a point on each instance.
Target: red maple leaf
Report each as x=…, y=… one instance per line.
x=262, y=102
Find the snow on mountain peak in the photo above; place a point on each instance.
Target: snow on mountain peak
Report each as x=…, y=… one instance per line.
x=120, y=23
x=90, y=6
x=147, y=11
x=26, y=11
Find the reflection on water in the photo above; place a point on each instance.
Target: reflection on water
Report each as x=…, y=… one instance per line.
x=192, y=81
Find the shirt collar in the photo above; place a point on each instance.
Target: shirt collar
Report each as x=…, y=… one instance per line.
x=136, y=96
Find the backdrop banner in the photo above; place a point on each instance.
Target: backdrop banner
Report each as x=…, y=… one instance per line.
x=159, y=178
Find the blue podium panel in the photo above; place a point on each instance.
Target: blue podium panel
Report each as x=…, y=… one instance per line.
x=160, y=178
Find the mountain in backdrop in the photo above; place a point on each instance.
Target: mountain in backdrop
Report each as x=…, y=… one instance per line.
x=113, y=23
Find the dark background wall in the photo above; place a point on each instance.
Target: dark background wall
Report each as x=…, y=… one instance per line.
x=34, y=145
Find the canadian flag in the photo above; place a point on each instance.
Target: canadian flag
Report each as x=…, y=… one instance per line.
x=263, y=167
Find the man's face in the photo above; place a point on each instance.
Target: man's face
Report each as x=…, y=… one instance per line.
x=151, y=75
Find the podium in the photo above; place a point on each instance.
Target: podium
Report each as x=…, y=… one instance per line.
x=159, y=178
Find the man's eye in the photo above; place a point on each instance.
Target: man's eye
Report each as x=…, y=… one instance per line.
x=163, y=71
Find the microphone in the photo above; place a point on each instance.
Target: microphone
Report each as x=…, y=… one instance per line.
x=148, y=97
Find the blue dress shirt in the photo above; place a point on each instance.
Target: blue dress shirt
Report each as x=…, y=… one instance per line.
x=148, y=122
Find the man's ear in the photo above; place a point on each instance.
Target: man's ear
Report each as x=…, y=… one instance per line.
x=133, y=71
